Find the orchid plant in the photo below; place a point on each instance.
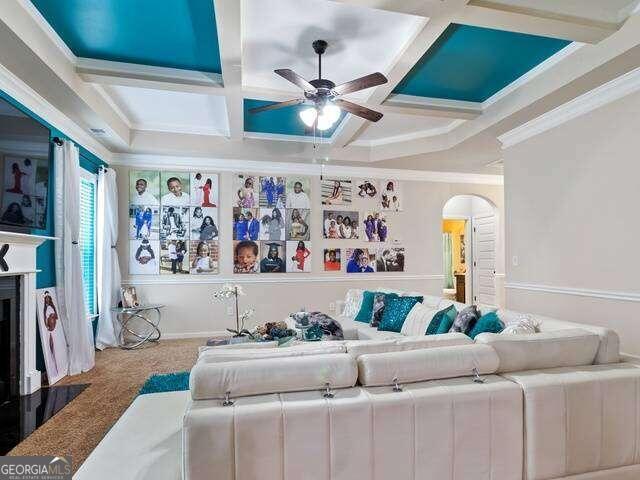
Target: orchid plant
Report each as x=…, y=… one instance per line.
x=227, y=292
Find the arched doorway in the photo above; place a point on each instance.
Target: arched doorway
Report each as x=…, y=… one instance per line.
x=470, y=239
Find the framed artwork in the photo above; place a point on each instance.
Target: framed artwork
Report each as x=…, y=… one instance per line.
x=272, y=224
x=174, y=189
x=144, y=257
x=299, y=257
x=174, y=257
x=272, y=257
x=144, y=222
x=203, y=257
x=339, y=224
x=246, y=256
x=52, y=335
x=129, y=297
x=246, y=191
x=374, y=225
x=273, y=191
x=389, y=259
x=390, y=195
x=144, y=187
x=204, y=224
x=204, y=189
x=332, y=260
x=335, y=191
x=174, y=223
x=298, y=192
x=360, y=260
x=298, y=220
x=246, y=225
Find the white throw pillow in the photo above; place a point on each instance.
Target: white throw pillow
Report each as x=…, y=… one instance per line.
x=418, y=320
x=352, y=302
x=525, y=324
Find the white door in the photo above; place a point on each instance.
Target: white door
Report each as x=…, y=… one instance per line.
x=484, y=259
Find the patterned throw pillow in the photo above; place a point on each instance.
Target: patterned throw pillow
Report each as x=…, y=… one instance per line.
x=378, y=309
x=466, y=319
x=395, y=312
x=439, y=318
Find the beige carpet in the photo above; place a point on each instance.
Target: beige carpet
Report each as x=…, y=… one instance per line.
x=114, y=383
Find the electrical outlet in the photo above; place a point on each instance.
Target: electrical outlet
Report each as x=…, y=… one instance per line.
x=229, y=311
x=332, y=307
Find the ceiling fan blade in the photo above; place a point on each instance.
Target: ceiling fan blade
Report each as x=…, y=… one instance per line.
x=358, y=110
x=368, y=81
x=296, y=79
x=273, y=106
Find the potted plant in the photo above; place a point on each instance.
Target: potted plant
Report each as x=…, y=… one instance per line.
x=240, y=334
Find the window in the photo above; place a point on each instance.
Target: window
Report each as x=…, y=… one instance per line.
x=87, y=239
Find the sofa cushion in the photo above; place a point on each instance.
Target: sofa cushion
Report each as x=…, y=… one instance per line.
x=439, y=318
x=319, y=348
x=488, y=323
x=426, y=364
x=362, y=347
x=418, y=319
x=395, y=312
x=271, y=375
x=562, y=348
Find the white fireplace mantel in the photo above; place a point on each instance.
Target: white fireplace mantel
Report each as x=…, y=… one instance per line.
x=21, y=260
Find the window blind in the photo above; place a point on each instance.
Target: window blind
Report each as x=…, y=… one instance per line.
x=87, y=242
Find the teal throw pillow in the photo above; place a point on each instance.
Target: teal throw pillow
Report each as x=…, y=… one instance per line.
x=396, y=311
x=364, y=314
x=449, y=316
x=488, y=323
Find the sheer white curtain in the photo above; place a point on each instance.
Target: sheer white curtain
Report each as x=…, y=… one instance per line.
x=68, y=261
x=108, y=268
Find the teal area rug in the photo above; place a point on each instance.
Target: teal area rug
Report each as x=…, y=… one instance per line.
x=166, y=382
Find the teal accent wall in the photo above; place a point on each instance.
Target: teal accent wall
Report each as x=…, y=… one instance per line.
x=473, y=63
x=283, y=121
x=45, y=253
x=163, y=33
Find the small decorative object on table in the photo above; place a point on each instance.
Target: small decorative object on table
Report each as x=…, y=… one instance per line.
x=240, y=334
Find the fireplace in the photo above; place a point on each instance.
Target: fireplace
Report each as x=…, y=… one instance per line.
x=18, y=372
x=9, y=337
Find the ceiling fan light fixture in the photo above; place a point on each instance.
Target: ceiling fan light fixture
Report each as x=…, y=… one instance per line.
x=331, y=112
x=308, y=116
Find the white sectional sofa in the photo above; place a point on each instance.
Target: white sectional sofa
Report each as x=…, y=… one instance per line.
x=551, y=405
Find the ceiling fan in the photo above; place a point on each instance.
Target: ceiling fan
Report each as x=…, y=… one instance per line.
x=322, y=95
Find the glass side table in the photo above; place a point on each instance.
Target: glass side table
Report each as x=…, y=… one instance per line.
x=144, y=327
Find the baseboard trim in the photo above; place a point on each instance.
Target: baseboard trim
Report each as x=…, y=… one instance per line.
x=185, y=335
x=580, y=292
x=248, y=279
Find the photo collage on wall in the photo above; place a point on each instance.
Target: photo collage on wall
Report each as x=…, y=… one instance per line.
x=357, y=210
x=271, y=224
x=173, y=223
x=24, y=191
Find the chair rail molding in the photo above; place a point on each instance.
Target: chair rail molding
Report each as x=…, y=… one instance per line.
x=585, y=103
x=580, y=292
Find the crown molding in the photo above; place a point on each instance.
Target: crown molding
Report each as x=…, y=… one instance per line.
x=585, y=103
x=580, y=292
x=308, y=169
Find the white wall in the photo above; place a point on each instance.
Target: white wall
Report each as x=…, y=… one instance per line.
x=191, y=309
x=571, y=197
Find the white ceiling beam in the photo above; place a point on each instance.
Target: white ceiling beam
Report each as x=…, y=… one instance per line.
x=105, y=72
x=440, y=15
x=229, y=26
x=488, y=14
